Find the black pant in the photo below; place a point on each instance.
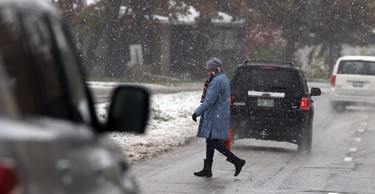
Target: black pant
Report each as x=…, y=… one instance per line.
x=212, y=144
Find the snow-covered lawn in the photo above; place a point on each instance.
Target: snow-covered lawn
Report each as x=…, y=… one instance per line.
x=170, y=125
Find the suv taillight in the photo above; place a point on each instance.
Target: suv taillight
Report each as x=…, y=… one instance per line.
x=8, y=177
x=231, y=100
x=304, y=104
x=333, y=80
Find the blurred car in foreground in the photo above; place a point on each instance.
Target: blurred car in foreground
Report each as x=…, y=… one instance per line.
x=271, y=101
x=50, y=138
x=353, y=82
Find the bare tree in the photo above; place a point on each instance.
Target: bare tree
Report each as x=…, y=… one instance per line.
x=339, y=22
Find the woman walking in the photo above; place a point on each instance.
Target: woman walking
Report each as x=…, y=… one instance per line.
x=214, y=122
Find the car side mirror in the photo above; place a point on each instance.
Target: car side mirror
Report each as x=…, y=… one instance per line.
x=315, y=92
x=129, y=109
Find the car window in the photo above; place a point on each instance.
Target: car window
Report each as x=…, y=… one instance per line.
x=7, y=105
x=73, y=73
x=16, y=62
x=304, y=82
x=265, y=80
x=356, y=67
x=34, y=66
x=46, y=76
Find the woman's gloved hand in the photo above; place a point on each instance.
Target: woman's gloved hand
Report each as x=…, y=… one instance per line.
x=194, y=117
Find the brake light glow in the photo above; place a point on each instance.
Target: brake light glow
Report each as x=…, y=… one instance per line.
x=231, y=100
x=8, y=177
x=305, y=104
x=333, y=80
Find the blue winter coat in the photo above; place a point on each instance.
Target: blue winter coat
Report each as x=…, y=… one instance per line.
x=214, y=111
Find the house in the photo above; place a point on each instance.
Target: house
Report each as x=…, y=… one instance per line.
x=183, y=49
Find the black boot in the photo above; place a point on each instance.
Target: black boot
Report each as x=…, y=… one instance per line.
x=238, y=163
x=206, y=172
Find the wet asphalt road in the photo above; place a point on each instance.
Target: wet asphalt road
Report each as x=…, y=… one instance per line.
x=342, y=161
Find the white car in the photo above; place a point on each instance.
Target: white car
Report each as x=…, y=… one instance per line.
x=353, y=82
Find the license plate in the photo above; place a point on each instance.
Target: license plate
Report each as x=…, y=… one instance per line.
x=358, y=84
x=265, y=102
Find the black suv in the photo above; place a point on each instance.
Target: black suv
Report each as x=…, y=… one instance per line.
x=271, y=101
x=51, y=140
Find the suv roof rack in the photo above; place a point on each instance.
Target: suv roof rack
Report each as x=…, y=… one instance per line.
x=277, y=63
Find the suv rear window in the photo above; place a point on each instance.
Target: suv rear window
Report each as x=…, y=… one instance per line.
x=266, y=79
x=356, y=67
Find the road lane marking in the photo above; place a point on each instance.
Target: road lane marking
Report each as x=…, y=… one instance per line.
x=353, y=149
x=357, y=139
x=348, y=159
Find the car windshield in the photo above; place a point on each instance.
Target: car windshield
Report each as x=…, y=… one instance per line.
x=356, y=67
x=31, y=60
x=7, y=104
x=266, y=80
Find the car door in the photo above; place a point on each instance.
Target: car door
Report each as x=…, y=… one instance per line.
x=97, y=165
x=53, y=100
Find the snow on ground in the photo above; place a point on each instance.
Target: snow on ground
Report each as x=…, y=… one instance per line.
x=170, y=125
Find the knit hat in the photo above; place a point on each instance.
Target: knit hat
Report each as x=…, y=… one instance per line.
x=213, y=63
